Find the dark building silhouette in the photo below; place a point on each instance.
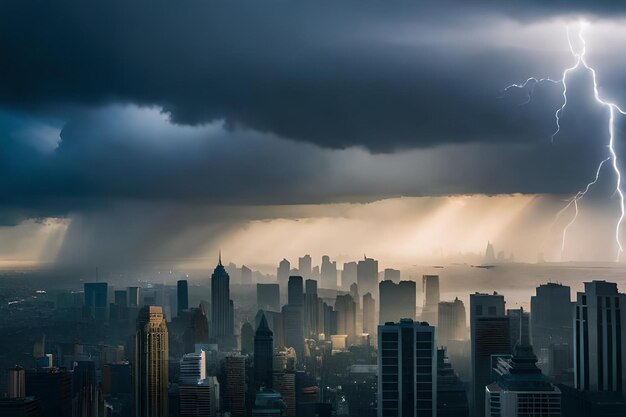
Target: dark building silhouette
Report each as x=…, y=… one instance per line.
x=247, y=339
x=517, y=317
x=133, y=296
x=268, y=297
x=451, y=393
x=295, y=291
x=369, y=315
x=263, y=355
x=234, y=389
x=551, y=324
x=96, y=300
x=16, y=382
x=182, y=295
x=490, y=335
x=310, y=310
x=407, y=363
x=430, y=287
x=54, y=390
x=367, y=276
x=346, y=316
x=293, y=329
x=452, y=322
x=222, y=326
x=397, y=301
x=21, y=407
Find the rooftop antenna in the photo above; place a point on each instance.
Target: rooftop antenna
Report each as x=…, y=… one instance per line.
x=220, y=258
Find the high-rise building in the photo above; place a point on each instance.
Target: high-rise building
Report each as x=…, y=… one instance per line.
x=328, y=273
x=182, y=296
x=295, y=291
x=133, y=296
x=246, y=275
x=490, y=335
x=283, y=271
x=367, y=276
x=96, y=300
x=310, y=309
x=151, y=363
x=268, y=403
x=600, y=339
x=200, y=399
x=451, y=394
x=268, y=297
x=520, y=389
x=430, y=287
x=285, y=383
x=21, y=407
x=304, y=266
x=193, y=367
x=263, y=355
x=452, y=322
x=293, y=329
x=517, y=317
x=53, y=387
x=222, y=330
x=397, y=301
x=346, y=316
x=348, y=274
x=551, y=324
x=369, y=315
x=407, y=377
x=16, y=382
x=391, y=274
x=247, y=339
x=235, y=385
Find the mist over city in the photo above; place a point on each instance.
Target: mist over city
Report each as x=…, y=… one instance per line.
x=312, y=209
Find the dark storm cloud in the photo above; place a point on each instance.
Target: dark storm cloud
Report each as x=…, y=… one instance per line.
x=332, y=74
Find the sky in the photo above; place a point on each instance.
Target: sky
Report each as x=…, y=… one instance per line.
x=144, y=131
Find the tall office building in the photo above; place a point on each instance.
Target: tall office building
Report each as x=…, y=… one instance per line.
x=310, y=309
x=235, y=385
x=53, y=387
x=369, y=315
x=391, y=275
x=268, y=403
x=600, y=339
x=295, y=291
x=520, y=389
x=200, y=399
x=133, y=296
x=430, y=287
x=151, y=363
x=222, y=330
x=367, y=276
x=451, y=395
x=283, y=271
x=96, y=300
x=16, y=382
x=268, y=297
x=397, y=301
x=348, y=274
x=182, y=296
x=346, y=316
x=246, y=275
x=304, y=266
x=247, y=339
x=193, y=367
x=328, y=273
x=293, y=329
x=517, y=317
x=407, y=376
x=551, y=324
x=490, y=335
x=21, y=407
x=263, y=355
x=452, y=321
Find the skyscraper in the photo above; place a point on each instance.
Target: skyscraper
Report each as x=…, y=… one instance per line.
x=600, y=339
x=391, y=275
x=407, y=377
x=490, y=335
x=16, y=382
x=551, y=324
x=96, y=300
x=235, y=389
x=328, y=273
x=268, y=297
x=182, y=296
x=521, y=390
x=222, y=330
x=53, y=387
x=369, y=315
x=193, y=367
x=304, y=266
x=346, y=316
x=199, y=399
x=451, y=395
x=367, y=276
x=263, y=355
x=293, y=329
x=247, y=339
x=452, y=322
x=283, y=271
x=517, y=317
x=246, y=275
x=133, y=296
x=430, y=287
x=310, y=309
x=21, y=407
x=397, y=301
x=348, y=274
x=151, y=363
x=295, y=291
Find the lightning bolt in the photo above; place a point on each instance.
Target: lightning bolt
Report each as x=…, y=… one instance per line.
x=580, y=61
